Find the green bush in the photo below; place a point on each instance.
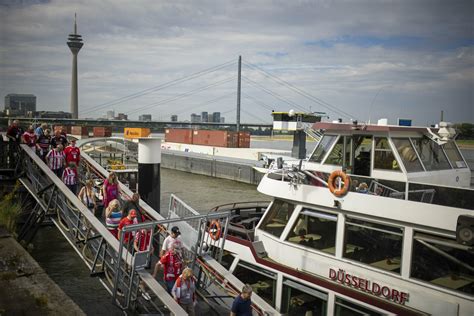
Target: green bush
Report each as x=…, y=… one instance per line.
x=9, y=210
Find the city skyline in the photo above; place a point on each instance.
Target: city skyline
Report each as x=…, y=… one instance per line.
x=384, y=59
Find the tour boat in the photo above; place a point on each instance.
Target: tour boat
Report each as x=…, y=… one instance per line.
x=378, y=220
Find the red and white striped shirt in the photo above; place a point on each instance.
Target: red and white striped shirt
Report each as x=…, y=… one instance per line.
x=69, y=176
x=55, y=159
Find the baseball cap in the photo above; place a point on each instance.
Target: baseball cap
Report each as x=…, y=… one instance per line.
x=175, y=230
x=133, y=213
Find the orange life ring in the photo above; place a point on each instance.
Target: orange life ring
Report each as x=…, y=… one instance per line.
x=215, y=230
x=332, y=183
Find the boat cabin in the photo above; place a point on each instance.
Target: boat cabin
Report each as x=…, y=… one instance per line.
x=397, y=153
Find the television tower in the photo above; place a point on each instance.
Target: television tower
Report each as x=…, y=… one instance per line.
x=75, y=45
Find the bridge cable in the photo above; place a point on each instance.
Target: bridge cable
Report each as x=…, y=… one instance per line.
x=183, y=95
x=274, y=94
x=300, y=91
x=159, y=87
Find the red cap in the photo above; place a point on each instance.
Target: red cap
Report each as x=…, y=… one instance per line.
x=133, y=213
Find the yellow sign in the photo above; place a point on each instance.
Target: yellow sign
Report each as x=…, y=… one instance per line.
x=136, y=132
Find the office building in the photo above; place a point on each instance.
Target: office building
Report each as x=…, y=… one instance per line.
x=195, y=118
x=20, y=104
x=216, y=117
x=222, y=119
x=122, y=117
x=110, y=115
x=204, y=117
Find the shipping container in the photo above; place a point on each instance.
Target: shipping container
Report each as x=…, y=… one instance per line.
x=179, y=135
x=131, y=133
x=80, y=130
x=102, y=131
x=244, y=140
x=215, y=138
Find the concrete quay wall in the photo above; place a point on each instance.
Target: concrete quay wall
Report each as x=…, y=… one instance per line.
x=218, y=167
x=25, y=288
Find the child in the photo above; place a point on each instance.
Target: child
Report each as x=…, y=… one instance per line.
x=70, y=177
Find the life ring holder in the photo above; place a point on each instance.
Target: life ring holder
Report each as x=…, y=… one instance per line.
x=333, y=186
x=215, y=230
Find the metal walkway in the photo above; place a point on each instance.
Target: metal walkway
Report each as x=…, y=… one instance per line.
x=121, y=270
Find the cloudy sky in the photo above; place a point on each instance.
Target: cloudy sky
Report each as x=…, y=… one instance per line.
x=351, y=59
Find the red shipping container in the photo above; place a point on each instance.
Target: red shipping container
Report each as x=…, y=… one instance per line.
x=213, y=138
x=79, y=130
x=102, y=131
x=244, y=140
x=179, y=135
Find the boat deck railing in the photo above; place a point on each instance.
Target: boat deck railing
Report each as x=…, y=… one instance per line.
x=412, y=191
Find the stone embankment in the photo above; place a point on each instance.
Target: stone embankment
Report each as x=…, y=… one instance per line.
x=25, y=288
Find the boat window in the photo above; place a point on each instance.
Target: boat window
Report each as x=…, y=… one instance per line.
x=443, y=262
x=454, y=156
x=336, y=157
x=431, y=154
x=263, y=282
x=315, y=230
x=323, y=147
x=383, y=155
x=346, y=308
x=277, y=217
x=298, y=299
x=408, y=154
x=362, y=150
x=378, y=245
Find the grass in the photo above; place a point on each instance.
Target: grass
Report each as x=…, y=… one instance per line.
x=9, y=210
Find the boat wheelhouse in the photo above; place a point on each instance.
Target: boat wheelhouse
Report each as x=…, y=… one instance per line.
x=399, y=242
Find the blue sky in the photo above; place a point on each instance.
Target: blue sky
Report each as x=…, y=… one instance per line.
x=352, y=59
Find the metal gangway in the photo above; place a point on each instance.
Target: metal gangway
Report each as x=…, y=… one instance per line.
x=123, y=270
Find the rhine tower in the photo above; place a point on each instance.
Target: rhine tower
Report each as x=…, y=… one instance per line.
x=75, y=44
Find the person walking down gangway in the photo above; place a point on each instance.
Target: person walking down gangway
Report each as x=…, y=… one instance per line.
x=14, y=133
x=69, y=177
x=56, y=160
x=184, y=291
x=113, y=215
x=43, y=144
x=134, y=204
x=58, y=139
x=172, y=264
x=73, y=153
x=170, y=240
x=87, y=196
x=110, y=189
x=29, y=138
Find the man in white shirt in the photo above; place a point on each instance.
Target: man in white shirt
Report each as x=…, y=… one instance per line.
x=173, y=238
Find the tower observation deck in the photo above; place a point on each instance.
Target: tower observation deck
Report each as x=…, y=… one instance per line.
x=75, y=44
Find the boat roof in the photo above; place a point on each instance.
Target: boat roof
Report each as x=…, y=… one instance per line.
x=344, y=127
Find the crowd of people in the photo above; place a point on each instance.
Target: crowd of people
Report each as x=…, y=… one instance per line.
x=63, y=158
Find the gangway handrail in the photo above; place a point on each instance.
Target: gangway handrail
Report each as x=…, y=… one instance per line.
x=111, y=241
x=98, y=226
x=149, y=210
x=259, y=302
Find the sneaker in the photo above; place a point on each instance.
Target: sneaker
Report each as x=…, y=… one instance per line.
x=146, y=296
